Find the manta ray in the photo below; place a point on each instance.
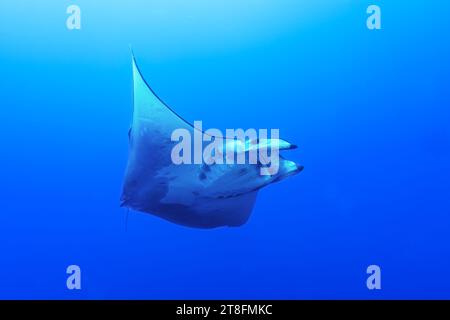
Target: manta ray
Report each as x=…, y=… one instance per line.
x=194, y=195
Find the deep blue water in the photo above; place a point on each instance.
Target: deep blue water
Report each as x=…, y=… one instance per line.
x=369, y=110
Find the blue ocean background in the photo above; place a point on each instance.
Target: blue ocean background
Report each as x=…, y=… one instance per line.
x=369, y=110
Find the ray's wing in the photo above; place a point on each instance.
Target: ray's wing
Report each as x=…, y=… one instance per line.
x=150, y=113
